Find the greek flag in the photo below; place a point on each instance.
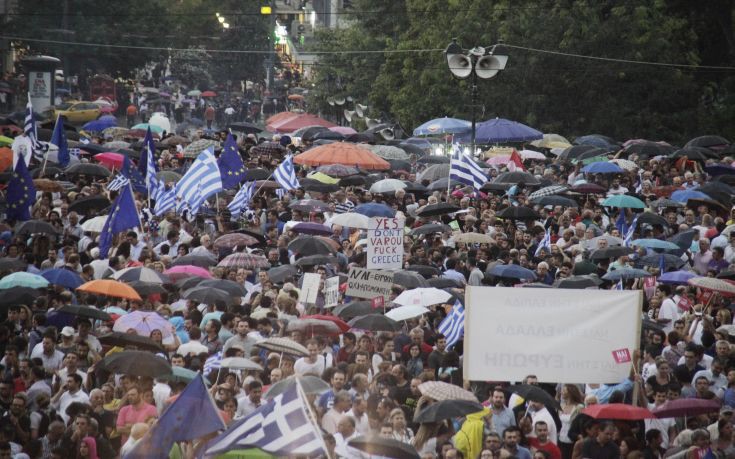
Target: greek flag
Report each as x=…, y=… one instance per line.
x=619, y=285
x=151, y=180
x=281, y=427
x=465, y=170
x=212, y=363
x=629, y=233
x=285, y=175
x=165, y=201
x=280, y=192
x=452, y=327
x=200, y=182
x=30, y=131
x=241, y=199
x=118, y=182
x=544, y=244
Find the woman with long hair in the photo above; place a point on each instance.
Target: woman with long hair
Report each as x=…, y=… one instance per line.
x=88, y=448
x=401, y=432
x=572, y=402
x=414, y=362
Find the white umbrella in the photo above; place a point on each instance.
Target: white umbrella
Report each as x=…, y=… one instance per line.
x=99, y=267
x=95, y=224
x=611, y=240
x=160, y=120
x=406, y=312
x=388, y=152
x=387, y=186
x=728, y=230
x=350, y=220
x=425, y=296
x=625, y=164
x=530, y=154
x=240, y=363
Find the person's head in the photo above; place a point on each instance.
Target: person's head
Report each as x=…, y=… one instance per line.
x=88, y=448
x=493, y=442
x=81, y=423
x=342, y=401
x=606, y=432
x=313, y=347
x=73, y=382
x=338, y=380
x=542, y=431
x=255, y=391
x=700, y=438
x=177, y=360
x=654, y=438
x=397, y=418
x=346, y=426
x=386, y=430
x=659, y=395
x=511, y=437
x=133, y=395
x=498, y=398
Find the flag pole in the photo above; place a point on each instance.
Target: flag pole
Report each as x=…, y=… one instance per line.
x=263, y=184
x=312, y=417
x=137, y=215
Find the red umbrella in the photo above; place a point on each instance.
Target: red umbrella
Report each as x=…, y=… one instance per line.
x=618, y=411
x=293, y=123
x=344, y=326
x=686, y=407
x=209, y=94
x=111, y=160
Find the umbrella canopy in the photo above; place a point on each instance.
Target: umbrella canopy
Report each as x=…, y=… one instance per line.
x=35, y=227
x=23, y=279
x=579, y=282
x=344, y=153
x=180, y=272
x=500, y=130
x=311, y=385
x=430, y=228
x=384, y=447
x=441, y=126
x=350, y=220
x=602, y=167
x=63, y=277
x=406, y=312
x=244, y=260
x=127, y=340
x=374, y=322
x=285, y=345
x=305, y=245
x=136, y=363
x=203, y=261
x=310, y=205
x=90, y=204
x=240, y=363
x=311, y=327
x=93, y=170
x=439, y=390
x=147, y=288
x=513, y=178
x=313, y=260
x=110, y=160
x=555, y=201
x=354, y=309
x=193, y=149
x=338, y=170
x=513, y=272
x=143, y=322
x=654, y=261
x=474, y=238
x=231, y=240
x=610, y=252
x=315, y=229
x=293, y=123
x=141, y=274
x=624, y=201
x=447, y=409
x=440, y=208
x=85, y=311
x=111, y=288
x=652, y=219
x=618, y=411
x=207, y=295
x=373, y=209
x=233, y=288
x=409, y=279
x=657, y=244
x=387, y=186
x=589, y=188
x=626, y=273
x=708, y=141
x=434, y=159
x=388, y=151
x=534, y=393
x=281, y=273
x=715, y=285
x=422, y=297
x=548, y=191
x=518, y=213
x=686, y=407
x=676, y=277
x=599, y=141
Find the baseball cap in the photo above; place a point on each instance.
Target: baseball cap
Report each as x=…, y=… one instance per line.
x=67, y=331
x=727, y=409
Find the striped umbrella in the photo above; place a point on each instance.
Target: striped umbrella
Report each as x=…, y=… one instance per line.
x=625, y=164
x=548, y=191
x=244, y=260
x=234, y=239
x=716, y=285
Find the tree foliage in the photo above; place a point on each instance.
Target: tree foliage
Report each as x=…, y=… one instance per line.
x=553, y=92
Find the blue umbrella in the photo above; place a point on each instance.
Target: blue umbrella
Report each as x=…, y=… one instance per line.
x=373, y=209
x=686, y=195
x=624, y=201
x=597, y=140
x=625, y=273
x=443, y=126
x=655, y=244
x=63, y=277
x=99, y=125
x=500, y=130
x=719, y=169
x=108, y=118
x=676, y=277
x=602, y=167
x=513, y=272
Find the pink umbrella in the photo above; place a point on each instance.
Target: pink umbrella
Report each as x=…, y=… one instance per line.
x=500, y=160
x=180, y=272
x=344, y=130
x=111, y=160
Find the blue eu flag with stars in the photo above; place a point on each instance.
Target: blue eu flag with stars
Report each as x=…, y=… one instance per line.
x=21, y=193
x=123, y=216
x=230, y=164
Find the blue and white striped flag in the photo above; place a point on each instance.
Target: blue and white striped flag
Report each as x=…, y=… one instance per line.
x=30, y=131
x=212, y=363
x=200, y=181
x=118, y=182
x=285, y=175
x=242, y=199
x=165, y=201
x=280, y=192
x=619, y=285
x=281, y=427
x=452, y=327
x=465, y=170
x=629, y=234
x=151, y=180
x=544, y=244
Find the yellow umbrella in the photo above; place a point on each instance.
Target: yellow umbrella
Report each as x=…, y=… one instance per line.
x=497, y=151
x=552, y=141
x=5, y=141
x=323, y=178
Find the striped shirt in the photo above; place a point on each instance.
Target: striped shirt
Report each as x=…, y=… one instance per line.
x=344, y=207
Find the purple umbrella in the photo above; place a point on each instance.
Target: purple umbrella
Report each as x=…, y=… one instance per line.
x=315, y=229
x=676, y=277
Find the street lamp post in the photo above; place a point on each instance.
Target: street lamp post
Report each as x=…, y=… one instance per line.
x=477, y=62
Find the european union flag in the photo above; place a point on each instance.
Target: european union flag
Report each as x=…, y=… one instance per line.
x=178, y=424
x=621, y=224
x=230, y=164
x=123, y=216
x=143, y=161
x=58, y=138
x=137, y=180
x=21, y=193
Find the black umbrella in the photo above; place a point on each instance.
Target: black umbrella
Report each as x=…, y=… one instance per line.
x=409, y=279
x=126, y=340
x=361, y=137
x=136, y=363
x=247, y=128
x=412, y=149
x=443, y=184
x=384, y=447
x=207, y=295
x=683, y=239
x=12, y=264
x=716, y=187
x=446, y=409
x=18, y=295
x=354, y=309
x=89, y=204
x=231, y=287
x=574, y=151
x=534, y=394
x=147, y=288
x=648, y=149
x=203, y=261
x=399, y=165
x=652, y=219
x=708, y=141
x=51, y=172
x=319, y=187
x=584, y=267
x=256, y=174
x=93, y=170
x=257, y=235
x=434, y=159
x=189, y=282
x=34, y=227
x=670, y=261
x=726, y=274
x=578, y=282
x=693, y=154
x=309, y=205
x=518, y=213
x=430, y=228
x=353, y=180
x=414, y=187
x=313, y=260
x=443, y=282
x=93, y=148
x=517, y=177
x=308, y=245
x=85, y=311
x=375, y=322
x=328, y=135
x=424, y=270
x=279, y=274
x=614, y=251
x=440, y=208
x=555, y=200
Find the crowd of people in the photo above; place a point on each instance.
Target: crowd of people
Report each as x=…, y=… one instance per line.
x=58, y=401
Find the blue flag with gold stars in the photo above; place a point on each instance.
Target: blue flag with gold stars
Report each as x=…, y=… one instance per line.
x=192, y=415
x=230, y=164
x=21, y=193
x=123, y=216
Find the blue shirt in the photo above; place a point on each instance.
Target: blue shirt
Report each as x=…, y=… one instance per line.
x=604, y=392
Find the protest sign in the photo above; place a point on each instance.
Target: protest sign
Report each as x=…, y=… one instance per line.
x=363, y=283
x=560, y=335
x=621, y=355
x=378, y=302
x=385, y=243
x=331, y=292
x=310, y=288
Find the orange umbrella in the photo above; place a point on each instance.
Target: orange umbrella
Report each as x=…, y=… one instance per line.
x=297, y=122
x=344, y=153
x=6, y=158
x=44, y=184
x=278, y=117
x=110, y=288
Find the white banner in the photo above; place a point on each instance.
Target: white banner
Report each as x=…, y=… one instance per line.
x=559, y=335
x=310, y=288
x=362, y=283
x=385, y=243
x=331, y=292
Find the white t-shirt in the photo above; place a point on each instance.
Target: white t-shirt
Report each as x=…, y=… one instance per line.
x=668, y=310
x=302, y=366
x=663, y=425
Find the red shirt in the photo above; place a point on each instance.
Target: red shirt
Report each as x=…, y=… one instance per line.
x=553, y=450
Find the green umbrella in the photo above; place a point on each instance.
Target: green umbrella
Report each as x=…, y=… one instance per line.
x=145, y=126
x=22, y=279
x=624, y=201
x=181, y=374
x=250, y=453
